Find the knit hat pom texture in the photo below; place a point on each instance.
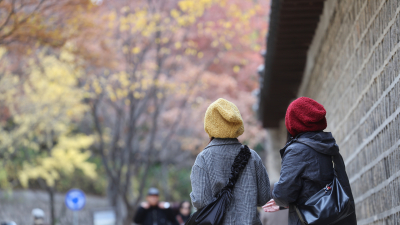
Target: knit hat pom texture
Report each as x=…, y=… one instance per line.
x=223, y=120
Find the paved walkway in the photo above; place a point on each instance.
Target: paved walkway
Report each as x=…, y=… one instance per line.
x=18, y=206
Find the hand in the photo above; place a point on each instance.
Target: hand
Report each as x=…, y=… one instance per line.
x=145, y=205
x=164, y=205
x=271, y=206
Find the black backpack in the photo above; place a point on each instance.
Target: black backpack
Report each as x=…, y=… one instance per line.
x=213, y=213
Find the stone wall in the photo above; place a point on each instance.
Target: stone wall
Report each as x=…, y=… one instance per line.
x=353, y=70
x=276, y=139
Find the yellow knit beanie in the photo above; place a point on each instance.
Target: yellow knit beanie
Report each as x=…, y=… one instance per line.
x=223, y=120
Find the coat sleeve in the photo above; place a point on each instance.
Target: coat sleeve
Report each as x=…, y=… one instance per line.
x=201, y=193
x=287, y=189
x=140, y=215
x=263, y=185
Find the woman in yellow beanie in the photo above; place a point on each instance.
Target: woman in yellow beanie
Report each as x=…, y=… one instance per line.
x=212, y=168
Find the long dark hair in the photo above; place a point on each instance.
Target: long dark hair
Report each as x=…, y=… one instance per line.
x=182, y=202
x=288, y=137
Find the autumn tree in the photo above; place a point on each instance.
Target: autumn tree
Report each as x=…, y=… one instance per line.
x=142, y=71
x=38, y=142
x=167, y=53
x=26, y=24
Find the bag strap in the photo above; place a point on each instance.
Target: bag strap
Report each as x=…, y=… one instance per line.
x=334, y=169
x=303, y=222
x=240, y=162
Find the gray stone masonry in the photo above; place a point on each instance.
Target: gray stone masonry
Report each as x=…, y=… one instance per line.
x=353, y=69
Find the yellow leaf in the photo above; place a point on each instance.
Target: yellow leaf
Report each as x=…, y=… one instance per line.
x=136, y=95
x=236, y=69
x=2, y=52
x=135, y=50
x=125, y=49
x=228, y=46
x=174, y=13
x=125, y=9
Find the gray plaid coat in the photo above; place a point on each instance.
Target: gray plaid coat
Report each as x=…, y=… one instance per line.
x=210, y=174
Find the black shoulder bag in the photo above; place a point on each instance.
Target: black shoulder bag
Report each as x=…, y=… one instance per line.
x=327, y=206
x=213, y=213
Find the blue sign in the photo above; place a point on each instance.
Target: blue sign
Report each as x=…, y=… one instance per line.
x=75, y=199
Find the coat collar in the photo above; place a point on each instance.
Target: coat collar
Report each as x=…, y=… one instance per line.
x=291, y=141
x=295, y=139
x=223, y=141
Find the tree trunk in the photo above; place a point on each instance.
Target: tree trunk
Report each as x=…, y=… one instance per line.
x=112, y=195
x=129, y=216
x=164, y=178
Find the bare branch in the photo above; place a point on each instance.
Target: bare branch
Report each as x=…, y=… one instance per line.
x=117, y=130
x=16, y=24
x=101, y=139
x=183, y=105
x=150, y=148
x=159, y=63
x=8, y=17
x=128, y=147
x=33, y=12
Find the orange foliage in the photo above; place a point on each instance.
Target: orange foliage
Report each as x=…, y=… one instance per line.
x=25, y=24
x=208, y=51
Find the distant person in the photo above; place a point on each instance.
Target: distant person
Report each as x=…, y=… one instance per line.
x=307, y=160
x=38, y=216
x=154, y=212
x=184, y=212
x=212, y=168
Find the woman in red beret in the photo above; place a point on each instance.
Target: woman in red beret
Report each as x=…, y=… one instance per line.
x=307, y=160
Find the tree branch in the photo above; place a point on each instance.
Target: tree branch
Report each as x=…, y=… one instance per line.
x=8, y=17
x=183, y=105
x=101, y=139
x=150, y=148
x=128, y=147
x=16, y=24
x=117, y=130
x=159, y=63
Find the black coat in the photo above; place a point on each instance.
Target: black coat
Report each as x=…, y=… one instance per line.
x=306, y=169
x=155, y=216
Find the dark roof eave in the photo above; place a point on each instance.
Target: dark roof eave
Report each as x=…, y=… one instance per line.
x=291, y=30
